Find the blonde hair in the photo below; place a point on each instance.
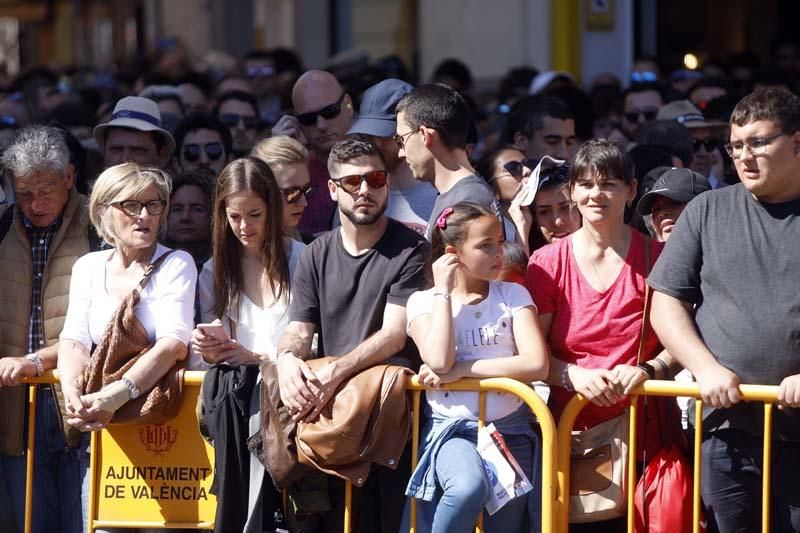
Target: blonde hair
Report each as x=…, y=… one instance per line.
x=280, y=151
x=124, y=182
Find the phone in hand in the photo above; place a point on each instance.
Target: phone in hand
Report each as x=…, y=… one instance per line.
x=214, y=330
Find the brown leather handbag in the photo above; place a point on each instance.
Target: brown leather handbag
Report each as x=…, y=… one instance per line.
x=123, y=343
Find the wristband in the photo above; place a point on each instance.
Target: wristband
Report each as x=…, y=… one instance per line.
x=649, y=369
x=565, y=382
x=135, y=392
x=37, y=362
x=664, y=367
x=445, y=295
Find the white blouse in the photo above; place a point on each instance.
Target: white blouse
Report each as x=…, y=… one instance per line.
x=165, y=309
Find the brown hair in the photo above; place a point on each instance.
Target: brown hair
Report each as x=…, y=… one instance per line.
x=601, y=157
x=248, y=174
x=773, y=105
x=455, y=227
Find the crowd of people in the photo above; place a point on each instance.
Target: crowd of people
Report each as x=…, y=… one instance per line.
x=290, y=231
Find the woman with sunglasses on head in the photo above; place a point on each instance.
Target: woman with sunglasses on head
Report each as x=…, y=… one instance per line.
x=288, y=160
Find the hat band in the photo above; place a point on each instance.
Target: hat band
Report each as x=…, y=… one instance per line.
x=138, y=115
x=690, y=117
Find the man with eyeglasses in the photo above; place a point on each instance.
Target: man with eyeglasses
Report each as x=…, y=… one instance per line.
x=727, y=306
x=323, y=112
x=432, y=126
x=41, y=237
x=238, y=110
x=704, y=137
x=351, y=287
x=640, y=105
x=203, y=145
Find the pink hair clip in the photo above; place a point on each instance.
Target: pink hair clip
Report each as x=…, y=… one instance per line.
x=441, y=222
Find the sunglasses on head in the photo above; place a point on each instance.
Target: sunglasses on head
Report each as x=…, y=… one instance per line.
x=351, y=184
x=328, y=112
x=191, y=152
x=649, y=115
x=293, y=194
x=232, y=120
x=710, y=144
x=516, y=168
x=260, y=72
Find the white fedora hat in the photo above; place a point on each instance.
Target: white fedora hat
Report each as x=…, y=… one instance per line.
x=137, y=113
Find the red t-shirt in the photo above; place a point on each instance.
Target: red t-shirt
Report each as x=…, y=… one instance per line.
x=591, y=329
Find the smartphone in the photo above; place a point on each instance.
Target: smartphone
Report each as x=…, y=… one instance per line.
x=214, y=330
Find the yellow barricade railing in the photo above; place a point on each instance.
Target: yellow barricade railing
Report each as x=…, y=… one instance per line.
x=757, y=393
x=112, y=505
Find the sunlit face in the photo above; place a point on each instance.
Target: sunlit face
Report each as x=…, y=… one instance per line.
x=42, y=196
x=413, y=149
x=246, y=213
x=554, y=214
x=189, y=219
x=368, y=204
x=640, y=108
x=601, y=199
x=769, y=174
x=556, y=138
x=481, y=252
x=290, y=178
x=665, y=214
x=202, y=152
x=324, y=132
x=125, y=144
x=140, y=230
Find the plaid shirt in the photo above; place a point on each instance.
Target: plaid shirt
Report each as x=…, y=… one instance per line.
x=40, y=239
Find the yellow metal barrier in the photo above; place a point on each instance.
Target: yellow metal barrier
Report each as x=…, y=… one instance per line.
x=757, y=393
x=126, y=461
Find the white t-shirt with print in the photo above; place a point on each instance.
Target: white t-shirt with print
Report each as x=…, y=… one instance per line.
x=483, y=331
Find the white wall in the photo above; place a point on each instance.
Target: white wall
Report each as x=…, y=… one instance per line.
x=608, y=51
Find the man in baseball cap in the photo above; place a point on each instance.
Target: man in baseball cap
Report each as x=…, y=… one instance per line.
x=135, y=133
x=410, y=201
x=669, y=196
x=705, y=134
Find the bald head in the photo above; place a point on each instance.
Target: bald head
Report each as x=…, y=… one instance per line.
x=315, y=91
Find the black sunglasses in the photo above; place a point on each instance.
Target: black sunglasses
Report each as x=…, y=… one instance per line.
x=328, y=112
x=293, y=194
x=710, y=145
x=232, y=120
x=191, y=152
x=351, y=184
x=516, y=168
x=649, y=115
x=134, y=207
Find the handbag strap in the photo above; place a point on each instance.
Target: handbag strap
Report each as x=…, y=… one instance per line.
x=647, y=241
x=148, y=272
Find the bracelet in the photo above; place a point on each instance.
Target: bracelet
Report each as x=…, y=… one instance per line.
x=34, y=358
x=445, y=295
x=649, y=370
x=565, y=382
x=131, y=387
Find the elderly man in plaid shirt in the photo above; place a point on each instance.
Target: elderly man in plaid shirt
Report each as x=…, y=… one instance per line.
x=41, y=236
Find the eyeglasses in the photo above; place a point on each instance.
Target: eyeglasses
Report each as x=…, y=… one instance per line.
x=633, y=115
x=327, y=112
x=756, y=145
x=710, y=145
x=293, y=194
x=134, y=207
x=232, y=120
x=191, y=152
x=375, y=180
x=517, y=168
x=401, y=139
x=260, y=72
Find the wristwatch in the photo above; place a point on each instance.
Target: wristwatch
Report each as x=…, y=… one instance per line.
x=34, y=358
x=135, y=392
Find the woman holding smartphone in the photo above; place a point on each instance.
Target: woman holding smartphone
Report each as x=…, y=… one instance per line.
x=244, y=289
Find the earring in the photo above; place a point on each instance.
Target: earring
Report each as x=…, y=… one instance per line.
x=349, y=106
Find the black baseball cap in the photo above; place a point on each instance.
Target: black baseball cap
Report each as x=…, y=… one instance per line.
x=678, y=184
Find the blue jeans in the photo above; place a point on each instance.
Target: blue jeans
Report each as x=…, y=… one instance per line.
x=59, y=473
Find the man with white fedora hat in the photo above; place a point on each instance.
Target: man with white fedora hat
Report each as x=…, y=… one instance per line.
x=135, y=133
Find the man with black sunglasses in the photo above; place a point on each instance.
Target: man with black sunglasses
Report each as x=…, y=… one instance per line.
x=705, y=137
x=203, y=145
x=323, y=112
x=351, y=287
x=640, y=105
x=238, y=110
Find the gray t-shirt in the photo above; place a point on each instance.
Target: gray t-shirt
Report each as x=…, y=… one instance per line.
x=737, y=259
x=471, y=188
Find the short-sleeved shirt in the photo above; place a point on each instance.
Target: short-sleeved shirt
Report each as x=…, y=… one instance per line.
x=483, y=331
x=345, y=295
x=589, y=328
x=737, y=260
x=471, y=188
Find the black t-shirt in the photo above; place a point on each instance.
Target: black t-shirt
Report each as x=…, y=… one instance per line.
x=738, y=260
x=345, y=295
x=471, y=188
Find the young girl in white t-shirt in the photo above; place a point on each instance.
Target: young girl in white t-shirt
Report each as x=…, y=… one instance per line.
x=471, y=326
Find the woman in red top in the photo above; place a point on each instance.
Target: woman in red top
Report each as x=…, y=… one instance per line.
x=590, y=287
